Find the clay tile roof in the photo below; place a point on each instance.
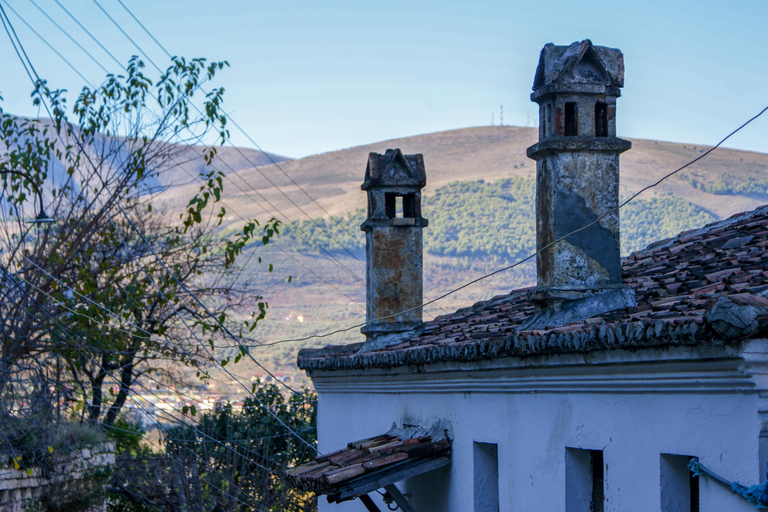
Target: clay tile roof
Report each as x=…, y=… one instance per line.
x=677, y=282
x=371, y=463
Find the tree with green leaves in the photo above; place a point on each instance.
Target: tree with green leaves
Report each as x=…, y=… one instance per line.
x=114, y=289
x=231, y=459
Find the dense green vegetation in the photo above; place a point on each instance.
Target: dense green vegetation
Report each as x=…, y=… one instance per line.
x=332, y=235
x=478, y=219
x=644, y=221
x=475, y=219
x=728, y=184
x=229, y=459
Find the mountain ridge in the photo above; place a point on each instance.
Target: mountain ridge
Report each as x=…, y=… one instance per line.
x=491, y=152
x=323, y=297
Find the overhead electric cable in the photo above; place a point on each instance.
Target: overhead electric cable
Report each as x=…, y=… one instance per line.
x=65, y=330
x=520, y=262
x=43, y=40
x=159, y=260
x=257, y=167
x=227, y=175
x=338, y=222
x=272, y=160
x=307, y=237
x=69, y=36
x=239, y=341
x=89, y=33
x=127, y=36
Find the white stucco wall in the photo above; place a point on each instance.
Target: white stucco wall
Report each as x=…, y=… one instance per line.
x=634, y=411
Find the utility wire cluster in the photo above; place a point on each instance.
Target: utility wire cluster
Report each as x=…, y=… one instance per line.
x=79, y=344
x=272, y=210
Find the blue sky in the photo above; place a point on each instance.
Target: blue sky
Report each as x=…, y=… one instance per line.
x=308, y=77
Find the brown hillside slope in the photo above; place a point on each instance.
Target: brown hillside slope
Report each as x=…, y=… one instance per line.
x=188, y=163
x=488, y=153
x=322, y=297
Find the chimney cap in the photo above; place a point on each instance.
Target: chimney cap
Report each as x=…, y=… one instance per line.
x=560, y=65
x=394, y=169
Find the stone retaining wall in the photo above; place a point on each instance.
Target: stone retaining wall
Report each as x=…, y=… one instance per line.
x=20, y=488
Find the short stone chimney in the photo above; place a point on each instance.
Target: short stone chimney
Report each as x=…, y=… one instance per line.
x=577, y=181
x=393, y=236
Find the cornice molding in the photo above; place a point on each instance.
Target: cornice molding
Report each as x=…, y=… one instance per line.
x=716, y=370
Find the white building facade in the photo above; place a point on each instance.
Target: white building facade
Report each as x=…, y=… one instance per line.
x=593, y=391
x=642, y=410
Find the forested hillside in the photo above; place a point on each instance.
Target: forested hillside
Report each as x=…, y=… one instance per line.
x=495, y=221
x=479, y=201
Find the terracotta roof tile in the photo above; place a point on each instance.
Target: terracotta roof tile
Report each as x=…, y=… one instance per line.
x=676, y=281
x=329, y=472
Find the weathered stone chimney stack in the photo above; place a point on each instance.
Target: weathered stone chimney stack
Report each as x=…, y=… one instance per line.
x=577, y=181
x=393, y=235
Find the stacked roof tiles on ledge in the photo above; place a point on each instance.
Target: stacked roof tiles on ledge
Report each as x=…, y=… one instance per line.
x=676, y=281
x=368, y=459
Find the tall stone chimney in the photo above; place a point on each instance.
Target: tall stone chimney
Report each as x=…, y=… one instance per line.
x=577, y=181
x=393, y=236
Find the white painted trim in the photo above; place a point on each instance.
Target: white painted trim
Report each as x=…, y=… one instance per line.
x=680, y=369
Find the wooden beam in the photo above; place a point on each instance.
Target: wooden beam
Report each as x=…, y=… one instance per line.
x=369, y=504
x=399, y=498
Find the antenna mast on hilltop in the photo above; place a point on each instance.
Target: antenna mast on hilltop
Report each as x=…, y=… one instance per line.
x=492, y=120
x=501, y=116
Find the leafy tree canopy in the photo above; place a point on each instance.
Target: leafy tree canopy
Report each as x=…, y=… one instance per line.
x=115, y=290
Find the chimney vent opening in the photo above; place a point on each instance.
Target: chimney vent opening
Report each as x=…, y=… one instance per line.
x=390, y=204
x=410, y=206
x=601, y=119
x=401, y=206
x=571, y=124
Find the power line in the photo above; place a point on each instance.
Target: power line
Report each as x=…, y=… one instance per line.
x=89, y=33
x=145, y=28
x=272, y=160
x=250, y=356
x=69, y=36
x=338, y=222
x=520, y=262
x=127, y=36
x=233, y=171
x=257, y=167
x=301, y=231
x=157, y=258
x=43, y=40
